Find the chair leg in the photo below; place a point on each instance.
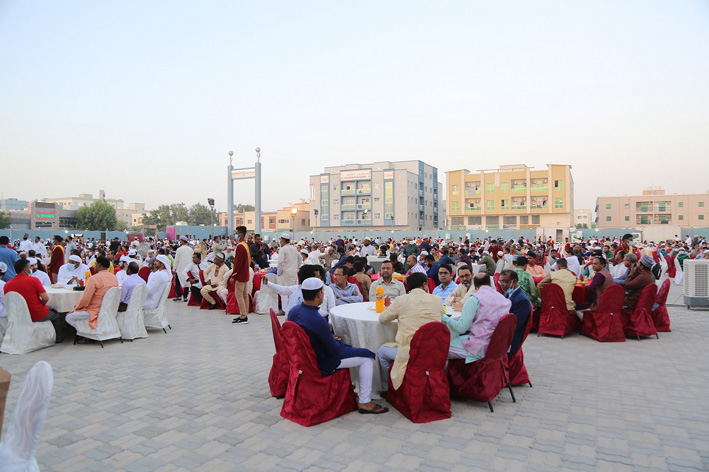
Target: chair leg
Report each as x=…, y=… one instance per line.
x=530, y=384
x=164, y=330
x=511, y=393
x=657, y=336
x=101, y=343
x=169, y=326
x=76, y=336
x=121, y=340
x=491, y=409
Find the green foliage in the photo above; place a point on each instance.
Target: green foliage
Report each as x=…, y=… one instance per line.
x=240, y=208
x=201, y=215
x=100, y=216
x=5, y=219
x=168, y=215
x=581, y=226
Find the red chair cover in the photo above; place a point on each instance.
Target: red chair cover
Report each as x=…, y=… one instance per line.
x=173, y=292
x=144, y=273
x=205, y=304
x=483, y=380
x=660, y=317
x=554, y=317
x=278, y=377
x=232, y=307
x=353, y=280
x=312, y=398
x=606, y=324
x=671, y=268
x=431, y=285
x=639, y=322
x=424, y=395
x=535, y=320
x=496, y=278
x=518, y=371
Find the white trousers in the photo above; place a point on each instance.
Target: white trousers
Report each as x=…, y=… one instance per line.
x=366, y=371
x=72, y=318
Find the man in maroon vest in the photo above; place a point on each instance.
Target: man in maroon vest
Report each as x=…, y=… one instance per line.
x=600, y=282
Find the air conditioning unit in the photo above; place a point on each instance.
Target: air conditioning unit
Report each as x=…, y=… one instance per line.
x=696, y=283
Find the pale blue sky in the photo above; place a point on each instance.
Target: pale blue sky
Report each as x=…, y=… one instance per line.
x=145, y=99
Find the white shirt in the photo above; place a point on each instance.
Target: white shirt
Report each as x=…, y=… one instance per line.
x=121, y=276
x=368, y=251
x=157, y=281
x=183, y=258
x=295, y=297
x=39, y=249
x=43, y=277
x=129, y=283
x=192, y=272
x=3, y=312
x=67, y=271
x=26, y=245
x=289, y=262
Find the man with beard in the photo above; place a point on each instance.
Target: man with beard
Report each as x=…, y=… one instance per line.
x=462, y=292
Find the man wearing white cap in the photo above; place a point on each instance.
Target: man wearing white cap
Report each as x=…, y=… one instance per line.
x=289, y=261
x=305, y=255
x=72, y=272
x=183, y=258
x=332, y=354
x=38, y=274
x=157, y=281
x=368, y=249
x=121, y=275
x=213, y=278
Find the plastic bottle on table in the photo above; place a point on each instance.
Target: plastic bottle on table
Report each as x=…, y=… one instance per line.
x=379, y=299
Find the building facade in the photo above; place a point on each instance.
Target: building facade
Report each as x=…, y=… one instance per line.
x=281, y=220
x=511, y=197
x=653, y=207
x=87, y=199
x=583, y=218
x=384, y=195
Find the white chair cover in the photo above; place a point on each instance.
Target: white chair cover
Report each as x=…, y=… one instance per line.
x=130, y=322
x=266, y=299
x=18, y=449
x=3, y=328
x=22, y=335
x=679, y=278
x=155, y=318
x=107, y=327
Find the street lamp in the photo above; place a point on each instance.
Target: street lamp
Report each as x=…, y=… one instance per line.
x=315, y=211
x=210, y=201
x=293, y=212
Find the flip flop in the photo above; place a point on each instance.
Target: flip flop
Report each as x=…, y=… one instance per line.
x=377, y=410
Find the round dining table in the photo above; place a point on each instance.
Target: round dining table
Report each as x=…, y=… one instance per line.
x=63, y=300
x=358, y=325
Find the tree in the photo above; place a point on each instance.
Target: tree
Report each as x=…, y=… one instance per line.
x=201, y=215
x=5, y=219
x=100, y=216
x=240, y=208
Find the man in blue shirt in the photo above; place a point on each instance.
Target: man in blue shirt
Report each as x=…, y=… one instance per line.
x=344, y=291
x=521, y=307
x=447, y=286
x=8, y=256
x=129, y=283
x=331, y=353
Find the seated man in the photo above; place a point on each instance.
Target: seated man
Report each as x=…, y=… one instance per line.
x=122, y=264
x=191, y=275
x=331, y=353
x=447, y=286
x=160, y=278
x=521, y=306
x=462, y=291
x=364, y=280
x=412, y=311
x=89, y=304
x=415, y=265
x=72, y=272
x=38, y=274
x=526, y=281
x=295, y=293
x=213, y=278
x=345, y=292
x=432, y=271
x=639, y=278
x=600, y=282
x=392, y=287
x=534, y=269
x=563, y=277
x=130, y=281
x=629, y=261
x=3, y=312
x=471, y=333
x=398, y=266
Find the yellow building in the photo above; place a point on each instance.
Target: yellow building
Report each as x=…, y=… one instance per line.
x=511, y=197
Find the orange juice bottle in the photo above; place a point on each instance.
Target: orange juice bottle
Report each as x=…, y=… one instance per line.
x=87, y=274
x=379, y=299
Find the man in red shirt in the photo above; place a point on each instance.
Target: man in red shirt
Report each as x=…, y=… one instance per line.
x=35, y=295
x=240, y=275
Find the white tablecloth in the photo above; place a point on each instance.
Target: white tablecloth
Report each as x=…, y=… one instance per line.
x=358, y=325
x=63, y=300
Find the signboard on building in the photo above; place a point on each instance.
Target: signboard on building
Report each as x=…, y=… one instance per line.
x=359, y=174
x=388, y=175
x=245, y=173
x=324, y=179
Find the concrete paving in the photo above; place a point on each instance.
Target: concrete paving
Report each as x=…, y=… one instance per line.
x=197, y=399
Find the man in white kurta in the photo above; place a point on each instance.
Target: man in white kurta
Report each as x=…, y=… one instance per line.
x=183, y=258
x=289, y=261
x=157, y=281
x=72, y=272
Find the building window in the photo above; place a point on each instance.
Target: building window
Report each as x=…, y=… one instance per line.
x=455, y=189
x=627, y=218
x=608, y=206
x=608, y=218
x=490, y=188
x=558, y=185
x=336, y=217
x=324, y=202
x=376, y=199
x=680, y=204
x=701, y=204
x=558, y=203
x=535, y=219
x=681, y=217
x=389, y=199
x=627, y=205
x=504, y=187
x=491, y=204
x=455, y=206
x=376, y=184
x=701, y=217
x=505, y=204
x=524, y=220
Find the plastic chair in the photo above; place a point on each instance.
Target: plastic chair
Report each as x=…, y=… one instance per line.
x=107, y=327
x=483, y=380
x=278, y=377
x=22, y=335
x=130, y=322
x=518, y=371
x=155, y=318
x=424, y=395
x=496, y=278
x=554, y=317
x=20, y=445
x=431, y=285
x=606, y=324
x=266, y=299
x=312, y=398
x=638, y=323
x=660, y=316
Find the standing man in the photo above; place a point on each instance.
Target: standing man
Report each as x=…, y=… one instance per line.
x=9, y=257
x=39, y=248
x=240, y=275
x=289, y=261
x=88, y=306
x=183, y=258
x=57, y=259
x=25, y=244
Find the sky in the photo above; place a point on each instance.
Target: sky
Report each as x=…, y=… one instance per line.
x=144, y=99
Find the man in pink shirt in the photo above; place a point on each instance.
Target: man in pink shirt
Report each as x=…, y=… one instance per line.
x=88, y=306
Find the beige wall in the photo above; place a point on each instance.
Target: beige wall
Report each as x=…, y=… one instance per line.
x=629, y=211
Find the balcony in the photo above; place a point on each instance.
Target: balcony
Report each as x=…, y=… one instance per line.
x=347, y=192
x=540, y=207
x=356, y=222
x=420, y=193
x=364, y=206
x=421, y=207
x=349, y=206
x=540, y=188
x=518, y=189
x=364, y=191
x=519, y=207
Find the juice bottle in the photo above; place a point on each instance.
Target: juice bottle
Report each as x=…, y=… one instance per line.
x=87, y=274
x=379, y=299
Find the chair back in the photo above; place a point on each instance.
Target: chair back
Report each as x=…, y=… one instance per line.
x=612, y=300
x=144, y=273
x=501, y=339
x=431, y=285
x=496, y=278
x=27, y=424
x=109, y=308
x=297, y=346
x=353, y=280
x=163, y=298
x=553, y=295
x=528, y=325
x=17, y=311
x=276, y=328
x=137, y=298
x=429, y=346
x=663, y=293
x=647, y=299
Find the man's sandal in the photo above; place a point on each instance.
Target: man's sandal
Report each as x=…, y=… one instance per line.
x=377, y=410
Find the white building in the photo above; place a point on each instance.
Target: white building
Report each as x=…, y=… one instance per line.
x=87, y=199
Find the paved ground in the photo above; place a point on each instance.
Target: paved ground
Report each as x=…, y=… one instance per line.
x=197, y=399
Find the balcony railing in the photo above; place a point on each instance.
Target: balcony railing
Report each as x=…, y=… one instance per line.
x=356, y=222
x=364, y=206
x=349, y=206
x=540, y=188
x=473, y=208
x=519, y=207
x=347, y=192
x=519, y=189
x=364, y=191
